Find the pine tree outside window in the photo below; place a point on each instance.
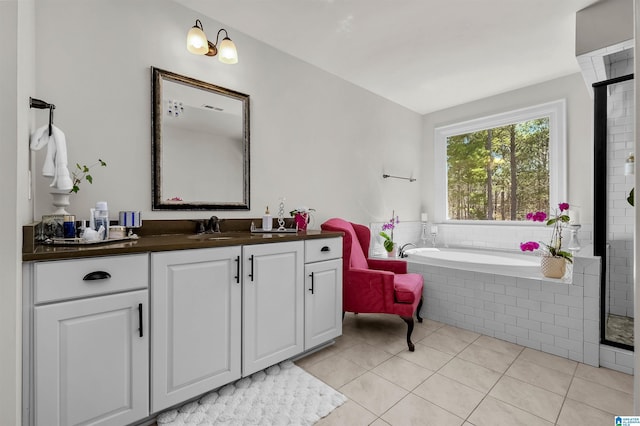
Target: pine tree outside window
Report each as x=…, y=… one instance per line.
x=498, y=168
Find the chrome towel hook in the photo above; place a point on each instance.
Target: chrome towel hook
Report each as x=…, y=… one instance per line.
x=40, y=104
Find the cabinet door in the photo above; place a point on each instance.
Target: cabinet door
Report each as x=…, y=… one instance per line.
x=323, y=302
x=273, y=304
x=91, y=361
x=195, y=297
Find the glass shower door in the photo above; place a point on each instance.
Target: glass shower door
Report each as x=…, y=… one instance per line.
x=614, y=215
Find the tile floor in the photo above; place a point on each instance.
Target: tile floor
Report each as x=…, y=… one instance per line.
x=458, y=377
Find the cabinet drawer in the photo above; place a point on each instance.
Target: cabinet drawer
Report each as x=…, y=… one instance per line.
x=72, y=279
x=322, y=249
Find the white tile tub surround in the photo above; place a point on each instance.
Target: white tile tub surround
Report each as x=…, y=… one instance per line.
x=616, y=359
x=473, y=235
x=561, y=318
x=503, y=236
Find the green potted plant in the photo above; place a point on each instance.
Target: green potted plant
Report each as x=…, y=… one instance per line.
x=82, y=173
x=554, y=259
x=388, y=243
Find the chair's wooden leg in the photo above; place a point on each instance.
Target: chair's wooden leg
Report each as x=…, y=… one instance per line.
x=409, y=321
x=418, y=310
x=343, y=315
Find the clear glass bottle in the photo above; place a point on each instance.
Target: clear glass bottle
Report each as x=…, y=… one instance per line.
x=267, y=222
x=101, y=218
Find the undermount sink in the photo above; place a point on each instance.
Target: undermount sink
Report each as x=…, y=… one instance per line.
x=209, y=237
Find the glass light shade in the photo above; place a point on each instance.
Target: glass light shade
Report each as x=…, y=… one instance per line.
x=629, y=164
x=227, y=52
x=197, y=41
x=628, y=168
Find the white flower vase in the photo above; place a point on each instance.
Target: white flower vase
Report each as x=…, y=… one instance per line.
x=394, y=251
x=553, y=267
x=60, y=200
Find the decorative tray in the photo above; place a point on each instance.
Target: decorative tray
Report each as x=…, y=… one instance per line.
x=83, y=242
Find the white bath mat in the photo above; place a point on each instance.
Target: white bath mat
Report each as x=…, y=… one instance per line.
x=283, y=394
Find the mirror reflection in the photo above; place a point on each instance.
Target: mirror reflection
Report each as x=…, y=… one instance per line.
x=200, y=145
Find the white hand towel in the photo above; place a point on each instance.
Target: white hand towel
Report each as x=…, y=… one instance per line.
x=39, y=139
x=55, y=164
x=62, y=180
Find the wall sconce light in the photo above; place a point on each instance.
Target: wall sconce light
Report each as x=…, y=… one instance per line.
x=198, y=44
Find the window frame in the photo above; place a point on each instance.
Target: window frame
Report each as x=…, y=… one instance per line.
x=555, y=110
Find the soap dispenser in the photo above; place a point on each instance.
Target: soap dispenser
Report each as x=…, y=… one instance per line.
x=267, y=222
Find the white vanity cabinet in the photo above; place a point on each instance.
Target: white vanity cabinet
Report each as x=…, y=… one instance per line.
x=323, y=291
x=112, y=340
x=89, y=338
x=196, y=313
x=273, y=304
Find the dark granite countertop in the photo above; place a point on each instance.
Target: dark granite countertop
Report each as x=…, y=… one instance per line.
x=151, y=239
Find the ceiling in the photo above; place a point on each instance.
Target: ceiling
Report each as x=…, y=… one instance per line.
x=426, y=55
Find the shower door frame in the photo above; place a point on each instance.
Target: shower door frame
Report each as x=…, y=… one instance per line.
x=600, y=195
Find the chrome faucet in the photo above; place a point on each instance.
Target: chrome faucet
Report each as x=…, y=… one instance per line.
x=402, y=253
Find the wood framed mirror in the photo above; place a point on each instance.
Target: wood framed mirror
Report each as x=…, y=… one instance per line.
x=200, y=141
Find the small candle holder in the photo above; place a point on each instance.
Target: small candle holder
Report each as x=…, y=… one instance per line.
x=424, y=236
x=281, y=215
x=434, y=233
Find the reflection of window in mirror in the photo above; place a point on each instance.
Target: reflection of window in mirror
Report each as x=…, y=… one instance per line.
x=202, y=155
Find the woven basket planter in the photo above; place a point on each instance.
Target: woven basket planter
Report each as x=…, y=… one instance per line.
x=553, y=267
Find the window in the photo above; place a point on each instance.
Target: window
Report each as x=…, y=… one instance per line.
x=500, y=167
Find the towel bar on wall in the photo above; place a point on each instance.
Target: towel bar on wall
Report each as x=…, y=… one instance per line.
x=410, y=179
x=40, y=104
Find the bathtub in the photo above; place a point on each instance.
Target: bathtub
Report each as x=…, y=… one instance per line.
x=503, y=294
x=492, y=262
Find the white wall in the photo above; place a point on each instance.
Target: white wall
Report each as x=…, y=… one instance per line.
x=16, y=69
x=315, y=139
x=579, y=136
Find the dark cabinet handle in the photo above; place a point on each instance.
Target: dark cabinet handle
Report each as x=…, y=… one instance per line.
x=251, y=273
x=96, y=275
x=237, y=277
x=325, y=248
x=140, y=318
x=311, y=289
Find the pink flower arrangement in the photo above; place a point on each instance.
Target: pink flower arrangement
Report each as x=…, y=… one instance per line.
x=529, y=246
x=554, y=248
x=537, y=216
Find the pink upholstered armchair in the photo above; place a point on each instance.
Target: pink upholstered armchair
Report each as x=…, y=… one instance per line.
x=375, y=285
